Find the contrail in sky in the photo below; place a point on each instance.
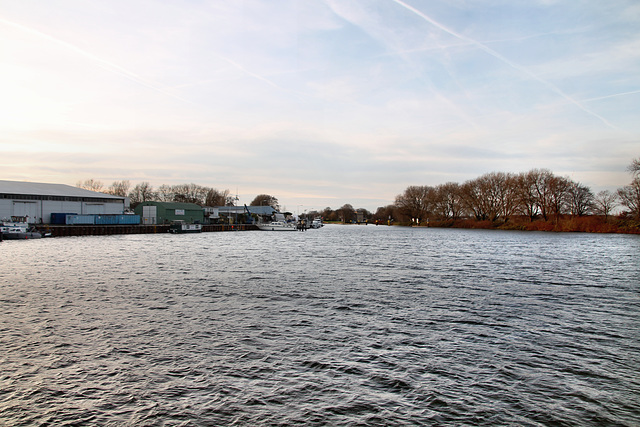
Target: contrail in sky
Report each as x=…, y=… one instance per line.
x=109, y=66
x=261, y=78
x=252, y=74
x=612, y=96
x=503, y=59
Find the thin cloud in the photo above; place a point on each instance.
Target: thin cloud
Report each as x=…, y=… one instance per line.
x=104, y=64
x=262, y=78
x=505, y=60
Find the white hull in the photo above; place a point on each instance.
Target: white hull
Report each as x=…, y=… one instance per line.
x=277, y=226
x=17, y=231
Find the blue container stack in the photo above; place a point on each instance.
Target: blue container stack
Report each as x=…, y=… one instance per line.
x=60, y=218
x=74, y=219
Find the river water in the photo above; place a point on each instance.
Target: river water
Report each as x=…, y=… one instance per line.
x=346, y=325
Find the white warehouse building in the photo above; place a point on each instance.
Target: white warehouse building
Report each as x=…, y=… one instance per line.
x=37, y=201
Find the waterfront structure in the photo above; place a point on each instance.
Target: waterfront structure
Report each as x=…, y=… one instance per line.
x=231, y=214
x=166, y=212
x=181, y=227
x=36, y=201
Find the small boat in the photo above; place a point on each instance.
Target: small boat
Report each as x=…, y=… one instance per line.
x=278, y=226
x=317, y=223
x=180, y=227
x=279, y=223
x=18, y=229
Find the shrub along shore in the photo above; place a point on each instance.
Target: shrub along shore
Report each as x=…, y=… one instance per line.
x=621, y=224
x=584, y=224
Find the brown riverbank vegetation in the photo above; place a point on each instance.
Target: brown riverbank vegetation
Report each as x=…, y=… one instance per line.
x=584, y=224
x=537, y=200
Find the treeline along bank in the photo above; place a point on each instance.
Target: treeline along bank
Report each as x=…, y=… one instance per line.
x=534, y=200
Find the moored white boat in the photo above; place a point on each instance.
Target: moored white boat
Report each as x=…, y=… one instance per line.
x=317, y=223
x=17, y=230
x=277, y=226
x=279, y=223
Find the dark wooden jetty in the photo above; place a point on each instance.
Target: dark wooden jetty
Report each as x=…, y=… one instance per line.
x=104, y=230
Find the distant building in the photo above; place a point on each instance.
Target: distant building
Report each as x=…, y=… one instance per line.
x=166, y=212
x=234, y=213
x=254, y=210
x=37, y=201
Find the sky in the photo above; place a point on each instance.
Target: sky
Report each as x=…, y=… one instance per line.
x=318, y=103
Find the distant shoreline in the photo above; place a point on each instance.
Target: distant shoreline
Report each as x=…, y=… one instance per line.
x=567, y=224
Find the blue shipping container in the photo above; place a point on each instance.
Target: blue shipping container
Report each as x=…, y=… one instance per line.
x=60, y=218
x=74, y=219
x=106, y=219
x=117, y=219
x=129, y=219
x=80, y=219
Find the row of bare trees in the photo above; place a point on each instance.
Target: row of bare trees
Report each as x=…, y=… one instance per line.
x=145, y=192
x=498, y=196
x=495, y=196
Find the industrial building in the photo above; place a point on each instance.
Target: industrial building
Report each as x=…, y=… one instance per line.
x=235, y=214
x=37, y=201
x=166, y=212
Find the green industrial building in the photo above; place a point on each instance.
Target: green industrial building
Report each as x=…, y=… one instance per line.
x=166, y=212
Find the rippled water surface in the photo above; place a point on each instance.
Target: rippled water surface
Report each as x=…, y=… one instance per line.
x=346, y=325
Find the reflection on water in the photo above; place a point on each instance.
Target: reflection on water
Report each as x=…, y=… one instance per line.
x=346, y=325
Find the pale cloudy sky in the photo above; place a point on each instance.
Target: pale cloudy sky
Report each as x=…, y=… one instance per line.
x=318, y=102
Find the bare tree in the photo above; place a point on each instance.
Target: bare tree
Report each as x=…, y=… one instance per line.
x=142, y=192
x=346, y=213
x=512, y=199
x=580, y=198
x=491, y=196
x=165, y=193
x=543, y=186
x=558, y=190
x=604, y=202
x=385, y=214
x=266, y=200
x=634, y=167
x=630, y=194
x=502, y=192
x=490, y=187
x=217, y=197
x=190, y=193
x=630, y=197
x=448, y=203
x=329, y=214
x=90, y=184
x=526, y=194
x=471, y=200
x=415, y=202
x=119, y=188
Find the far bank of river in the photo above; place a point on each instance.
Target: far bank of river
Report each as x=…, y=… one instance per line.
x=584, y=224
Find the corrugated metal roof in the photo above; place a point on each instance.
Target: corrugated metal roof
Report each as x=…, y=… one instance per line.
x=172, y=205
x=258, y=210
x=44, y=189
